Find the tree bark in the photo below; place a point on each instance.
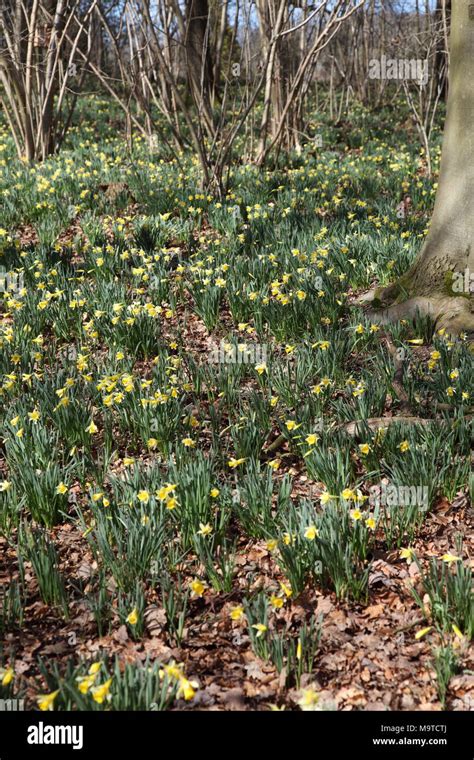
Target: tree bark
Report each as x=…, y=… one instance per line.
x=198, y=59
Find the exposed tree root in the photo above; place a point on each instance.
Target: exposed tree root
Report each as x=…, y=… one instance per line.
x=359, y=427
x=454, y=314
x=277, y=443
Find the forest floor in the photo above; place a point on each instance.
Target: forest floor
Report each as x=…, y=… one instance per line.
x=207, y=500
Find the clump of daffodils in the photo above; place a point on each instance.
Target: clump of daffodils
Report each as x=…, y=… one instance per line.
x=175, y=672
x=88, y=684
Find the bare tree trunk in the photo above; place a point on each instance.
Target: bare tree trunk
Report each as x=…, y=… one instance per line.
x=198, y=59
x=440, y=280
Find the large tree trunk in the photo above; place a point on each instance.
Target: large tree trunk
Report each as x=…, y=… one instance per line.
x=438, y=281
x=199, y=61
